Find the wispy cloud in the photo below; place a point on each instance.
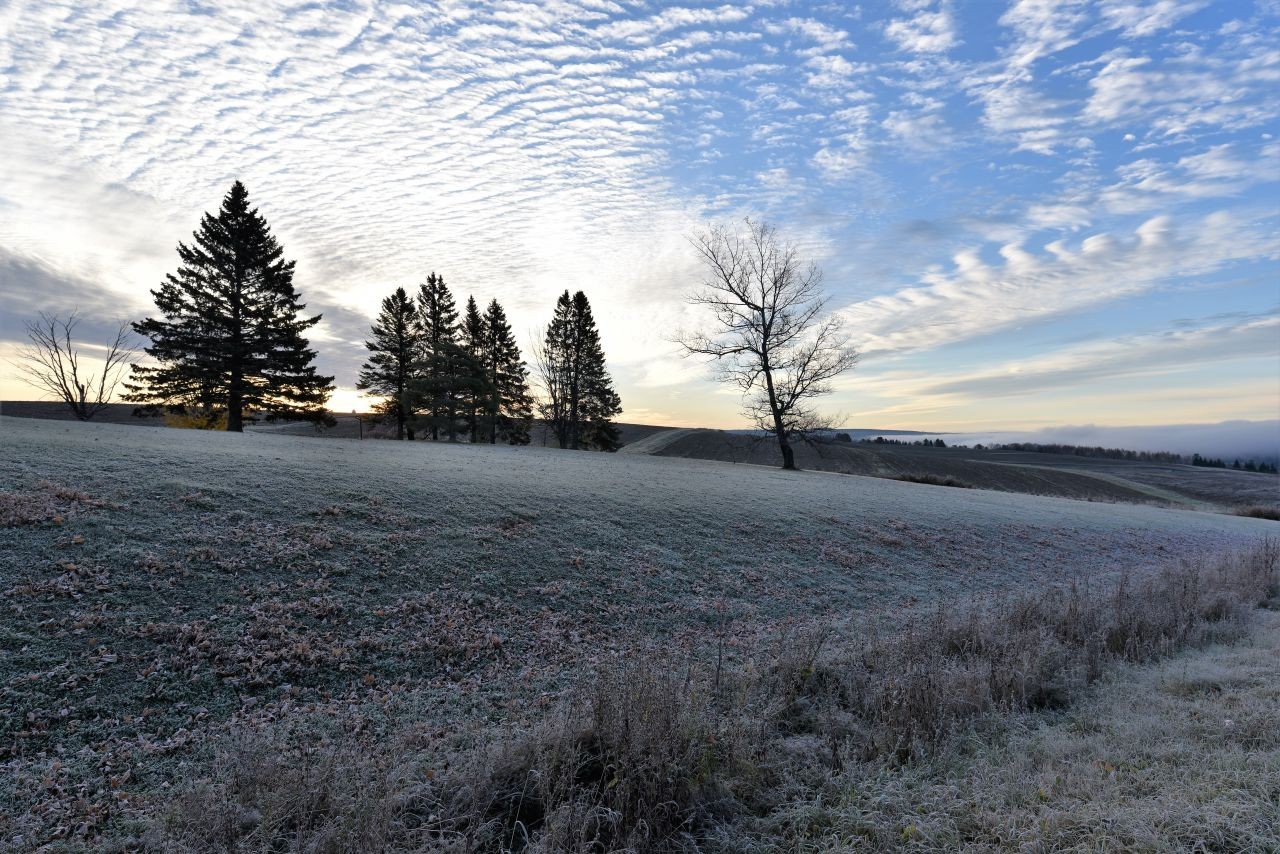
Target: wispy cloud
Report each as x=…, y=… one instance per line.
x=1173, y=350
x=979, y=298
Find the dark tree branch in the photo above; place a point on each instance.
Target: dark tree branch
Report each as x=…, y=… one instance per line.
x=769, y=335
x=51, y=363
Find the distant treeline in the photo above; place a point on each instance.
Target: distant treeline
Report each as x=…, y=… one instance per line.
x=1248, y=465
x=1102, y=453
x=924, y=443
x=1095, y=452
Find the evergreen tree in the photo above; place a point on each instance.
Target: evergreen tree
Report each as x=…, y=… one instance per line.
x=580, y=398
x=392, y=367
x=230, y=339
x=475, y=393
x=509, y=408
x=442, y=365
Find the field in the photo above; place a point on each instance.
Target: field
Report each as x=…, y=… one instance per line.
x=1086, y=478
x=165, y=587
x=1061, y=475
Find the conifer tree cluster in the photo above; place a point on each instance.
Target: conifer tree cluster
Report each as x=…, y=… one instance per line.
x=447, y=375
x=229, y=345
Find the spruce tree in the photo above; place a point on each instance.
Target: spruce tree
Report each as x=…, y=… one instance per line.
x=509, y=408
x=475, y=393
x=395, y=347
x=443, y=361
x=230, y=338
x=580, y=398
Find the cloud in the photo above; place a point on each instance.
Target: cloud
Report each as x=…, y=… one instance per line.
x=1174, y=350
x=1258, y=440
x=930, y=29
x=1217, y=171
x=1193, y=91
x=978, y=298
x=522, y=149
x=1137, y=19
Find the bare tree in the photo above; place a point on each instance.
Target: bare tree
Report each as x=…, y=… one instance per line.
x=553, y=404
x=772, y=336
x=52, y=364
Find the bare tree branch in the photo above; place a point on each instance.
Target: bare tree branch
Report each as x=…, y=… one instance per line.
x=51, y=363
x=769, y=334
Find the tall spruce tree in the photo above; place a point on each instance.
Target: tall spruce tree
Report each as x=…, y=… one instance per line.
x=580, y=400
x=474, y=391
x=442, y=368
x=230, y=339
x=393, y=364
x=510, y=407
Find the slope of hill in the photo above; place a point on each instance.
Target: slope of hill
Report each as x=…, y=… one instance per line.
x=160, y=585
x=1008, y=471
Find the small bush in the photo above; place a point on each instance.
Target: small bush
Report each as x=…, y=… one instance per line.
x=196, y=420
x=1260, y=511
x=934, y=480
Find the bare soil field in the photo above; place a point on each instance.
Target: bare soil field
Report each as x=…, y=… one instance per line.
x=161, y=586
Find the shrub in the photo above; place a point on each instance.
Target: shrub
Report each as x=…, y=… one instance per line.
x=1260, y=511
x=934, y=480
x=196, y=420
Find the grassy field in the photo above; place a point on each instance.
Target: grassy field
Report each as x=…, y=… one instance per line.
x=1060, y=475
x=164, y=587
x=1086, y=478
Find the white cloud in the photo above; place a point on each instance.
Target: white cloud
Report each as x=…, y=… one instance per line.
x=1171, y=351
x=928, y=30
x=978, y=298
x=1136, y=19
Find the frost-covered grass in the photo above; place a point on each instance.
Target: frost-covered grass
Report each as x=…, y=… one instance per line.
x=1182, y=756
x=855, y=744
x=163, y=588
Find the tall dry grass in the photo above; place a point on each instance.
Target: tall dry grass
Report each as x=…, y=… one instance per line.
x=654, y=758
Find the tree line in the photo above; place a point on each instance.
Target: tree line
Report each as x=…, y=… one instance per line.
x=448, y=375
x=1096, y=452
x=229, y=342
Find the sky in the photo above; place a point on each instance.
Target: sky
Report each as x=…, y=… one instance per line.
x=1028, y=213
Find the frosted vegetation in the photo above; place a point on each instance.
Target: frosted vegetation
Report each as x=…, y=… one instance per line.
x=169, y=591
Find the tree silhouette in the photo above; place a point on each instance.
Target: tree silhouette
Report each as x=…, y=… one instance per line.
x=770, y=336
x=230, y=336
x=395, y=350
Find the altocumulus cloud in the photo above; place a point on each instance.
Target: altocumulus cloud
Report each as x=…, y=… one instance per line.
x=1067, y=155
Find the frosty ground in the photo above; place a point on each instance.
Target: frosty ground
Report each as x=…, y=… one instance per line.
x=162, y=584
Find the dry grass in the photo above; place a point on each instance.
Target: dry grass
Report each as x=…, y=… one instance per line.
x=1183, y=756
x=45, y=503
x=1259, y=511
x=934, y=480
x=689, y=757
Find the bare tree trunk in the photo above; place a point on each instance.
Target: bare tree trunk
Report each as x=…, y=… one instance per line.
x=771, y=334
x=779, y=429
x=235, y=404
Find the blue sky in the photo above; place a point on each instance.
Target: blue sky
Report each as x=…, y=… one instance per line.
x=1029, y=213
